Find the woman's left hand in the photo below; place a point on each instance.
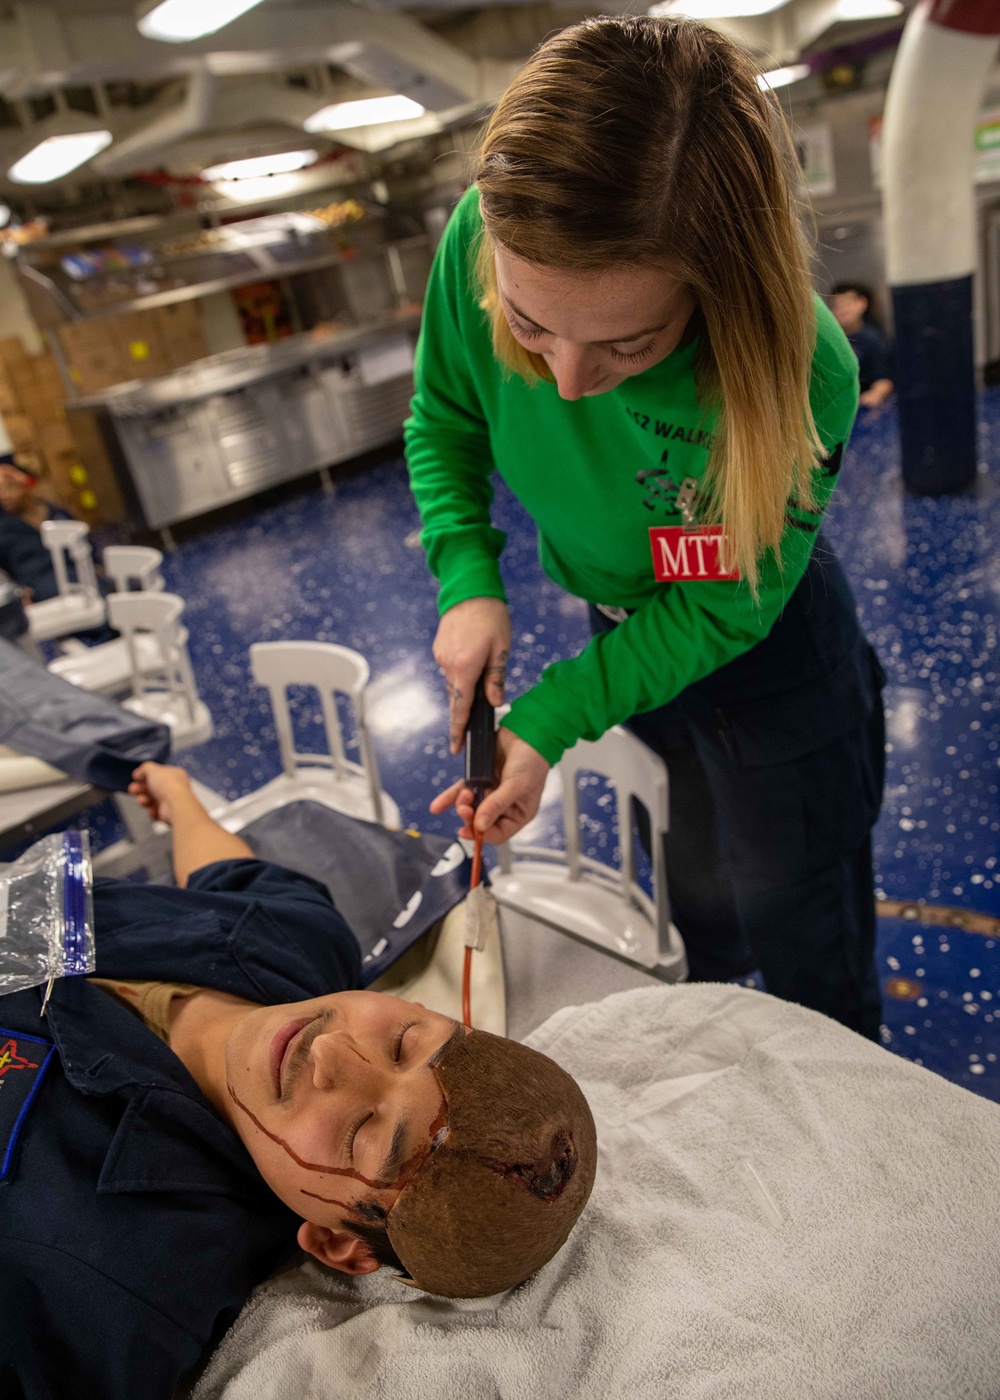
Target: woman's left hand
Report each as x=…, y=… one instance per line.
x=521, y=774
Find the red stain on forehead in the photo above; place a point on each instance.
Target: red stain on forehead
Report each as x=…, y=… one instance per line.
x=406, y=1171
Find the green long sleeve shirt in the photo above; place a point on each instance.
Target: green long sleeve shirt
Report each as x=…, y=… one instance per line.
x=594, y=474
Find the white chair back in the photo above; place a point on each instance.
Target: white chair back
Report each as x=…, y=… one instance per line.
x=163, y=686
x=634, y=772
x=329, y=669
x=555, y=886
x=134, y=565
x=69, y=539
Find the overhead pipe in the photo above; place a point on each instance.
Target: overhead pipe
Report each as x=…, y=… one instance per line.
x=186, y=118
x=935, y=91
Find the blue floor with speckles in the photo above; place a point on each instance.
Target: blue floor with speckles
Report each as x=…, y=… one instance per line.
x=926, y=573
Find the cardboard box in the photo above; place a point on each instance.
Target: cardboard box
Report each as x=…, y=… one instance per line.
x=40, y=391
x=56, y=438
x=182, y=332
x=43, y=412
x=94, y=354
x=48, y=380
x=8, y=398
x=21, y=432
x=85, y=478
x=12, y=351
x=142, y=348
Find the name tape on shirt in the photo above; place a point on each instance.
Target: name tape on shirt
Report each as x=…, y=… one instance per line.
x=681, y=554
x=23, y=1062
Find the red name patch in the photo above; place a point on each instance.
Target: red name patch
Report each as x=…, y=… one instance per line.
x=680, y=554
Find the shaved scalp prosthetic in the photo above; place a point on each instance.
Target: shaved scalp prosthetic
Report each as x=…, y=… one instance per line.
x=500, y=1194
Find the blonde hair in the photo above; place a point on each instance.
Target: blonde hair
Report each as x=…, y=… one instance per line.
x=641, y=141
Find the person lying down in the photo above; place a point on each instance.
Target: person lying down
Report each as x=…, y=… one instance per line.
x=220, y=1090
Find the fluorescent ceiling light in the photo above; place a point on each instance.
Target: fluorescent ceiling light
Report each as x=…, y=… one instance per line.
x=259, y=167
x=367, y=111
x=868, y=9
x=177, y=21
x=781, y=77
x=716, y=9
x=57, y=156
x=256, y=191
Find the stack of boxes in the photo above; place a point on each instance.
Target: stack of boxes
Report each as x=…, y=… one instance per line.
x=33, y=407
x=99, y=353
x=136, y=345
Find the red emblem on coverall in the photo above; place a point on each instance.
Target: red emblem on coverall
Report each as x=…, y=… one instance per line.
x=10, y=1059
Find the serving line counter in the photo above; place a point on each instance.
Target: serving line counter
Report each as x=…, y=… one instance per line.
x=235, y=423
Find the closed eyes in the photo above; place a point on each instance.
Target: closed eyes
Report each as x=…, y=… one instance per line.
x=398, y=1043
x=358, y=1124
x=352, y=1133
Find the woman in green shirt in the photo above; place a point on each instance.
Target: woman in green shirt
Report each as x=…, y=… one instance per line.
x=620, y=321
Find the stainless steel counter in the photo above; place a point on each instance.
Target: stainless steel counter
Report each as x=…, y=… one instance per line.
x=235, y=423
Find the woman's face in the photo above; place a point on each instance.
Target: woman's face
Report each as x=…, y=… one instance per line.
x=593, y=329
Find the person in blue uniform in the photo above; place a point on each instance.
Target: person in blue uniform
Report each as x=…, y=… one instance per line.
x=176, y=1123
x=22, y=513
x=851, y=304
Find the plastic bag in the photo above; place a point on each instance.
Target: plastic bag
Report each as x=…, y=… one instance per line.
x=47, y=913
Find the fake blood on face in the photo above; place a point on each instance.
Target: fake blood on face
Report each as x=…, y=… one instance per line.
x=396, y=1184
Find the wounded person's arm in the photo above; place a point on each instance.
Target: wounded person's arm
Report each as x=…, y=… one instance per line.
x=167, y=796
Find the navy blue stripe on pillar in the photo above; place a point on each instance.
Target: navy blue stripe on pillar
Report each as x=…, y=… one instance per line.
x=936, y=385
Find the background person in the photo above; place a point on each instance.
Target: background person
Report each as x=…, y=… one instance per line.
x=219, y=1091
x=851, y=303
x=620, y=320
x=23, y=511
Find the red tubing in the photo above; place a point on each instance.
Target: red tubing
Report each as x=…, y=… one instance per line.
x=477, y=868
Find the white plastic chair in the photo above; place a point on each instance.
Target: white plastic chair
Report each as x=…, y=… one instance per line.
x=167, y=692
x=585, y=898
x=330, y=778
x=79, y=605
x=107, y=667
x=128, y=564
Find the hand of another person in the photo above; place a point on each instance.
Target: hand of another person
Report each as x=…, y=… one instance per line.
x=473, y=640
x=876, y=394
x=156, y=786
x=521, y=774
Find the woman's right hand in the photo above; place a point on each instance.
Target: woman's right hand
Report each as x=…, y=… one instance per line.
x=473, y=640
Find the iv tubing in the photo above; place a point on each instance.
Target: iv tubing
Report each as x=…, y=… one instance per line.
x=477, y=865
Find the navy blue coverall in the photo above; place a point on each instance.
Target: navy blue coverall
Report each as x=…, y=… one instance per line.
x=776, y=764
x=133, y=1223
x=24, y=556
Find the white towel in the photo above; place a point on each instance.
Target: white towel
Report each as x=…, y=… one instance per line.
x=783, y=1211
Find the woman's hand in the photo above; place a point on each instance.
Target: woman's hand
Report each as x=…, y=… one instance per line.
x=521, y=774
x=473, y=640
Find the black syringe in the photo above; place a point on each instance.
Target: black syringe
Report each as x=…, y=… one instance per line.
x=480, y=776
x=480, y=745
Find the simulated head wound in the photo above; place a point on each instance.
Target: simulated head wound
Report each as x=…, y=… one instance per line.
x=499, y=1196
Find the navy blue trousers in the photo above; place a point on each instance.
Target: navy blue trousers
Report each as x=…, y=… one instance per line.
x=776, y=765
